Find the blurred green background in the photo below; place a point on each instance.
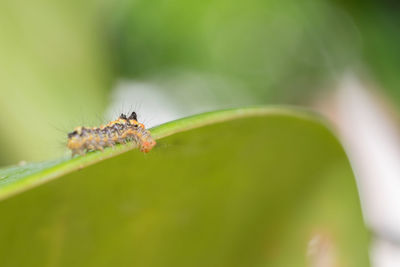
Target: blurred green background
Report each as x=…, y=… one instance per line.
x=61, y=61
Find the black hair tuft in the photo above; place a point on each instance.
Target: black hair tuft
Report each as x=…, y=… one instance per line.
x=72, y=134
x=123, y=116
x=133, y=116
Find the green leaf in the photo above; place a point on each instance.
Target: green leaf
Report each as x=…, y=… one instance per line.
x=243, y=187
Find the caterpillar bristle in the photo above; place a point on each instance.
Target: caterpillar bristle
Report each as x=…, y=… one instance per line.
x=120, y=131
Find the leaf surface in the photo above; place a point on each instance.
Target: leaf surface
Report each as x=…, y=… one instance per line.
x=243, y=187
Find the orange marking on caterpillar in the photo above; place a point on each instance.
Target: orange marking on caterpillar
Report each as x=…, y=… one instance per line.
x=121, y=130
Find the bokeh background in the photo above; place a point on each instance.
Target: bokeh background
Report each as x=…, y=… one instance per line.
x=67, y=63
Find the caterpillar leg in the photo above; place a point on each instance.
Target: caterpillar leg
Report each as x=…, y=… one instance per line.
x=80, y=152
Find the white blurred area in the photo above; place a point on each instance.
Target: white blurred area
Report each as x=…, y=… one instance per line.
x=152, y=105
x=385, y=253
x=371, y=139
x=154, y=101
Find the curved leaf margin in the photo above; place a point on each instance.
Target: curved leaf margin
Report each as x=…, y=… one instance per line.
x=17, y=179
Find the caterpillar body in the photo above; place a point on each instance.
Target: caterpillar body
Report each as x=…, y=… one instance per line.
x=120, y=131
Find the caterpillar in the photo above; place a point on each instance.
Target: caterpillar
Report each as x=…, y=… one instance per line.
x=120, y=131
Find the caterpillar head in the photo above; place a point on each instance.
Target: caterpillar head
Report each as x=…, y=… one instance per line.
x=147, y=145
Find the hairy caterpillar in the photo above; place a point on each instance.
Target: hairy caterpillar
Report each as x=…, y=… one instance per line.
x=122, y=130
